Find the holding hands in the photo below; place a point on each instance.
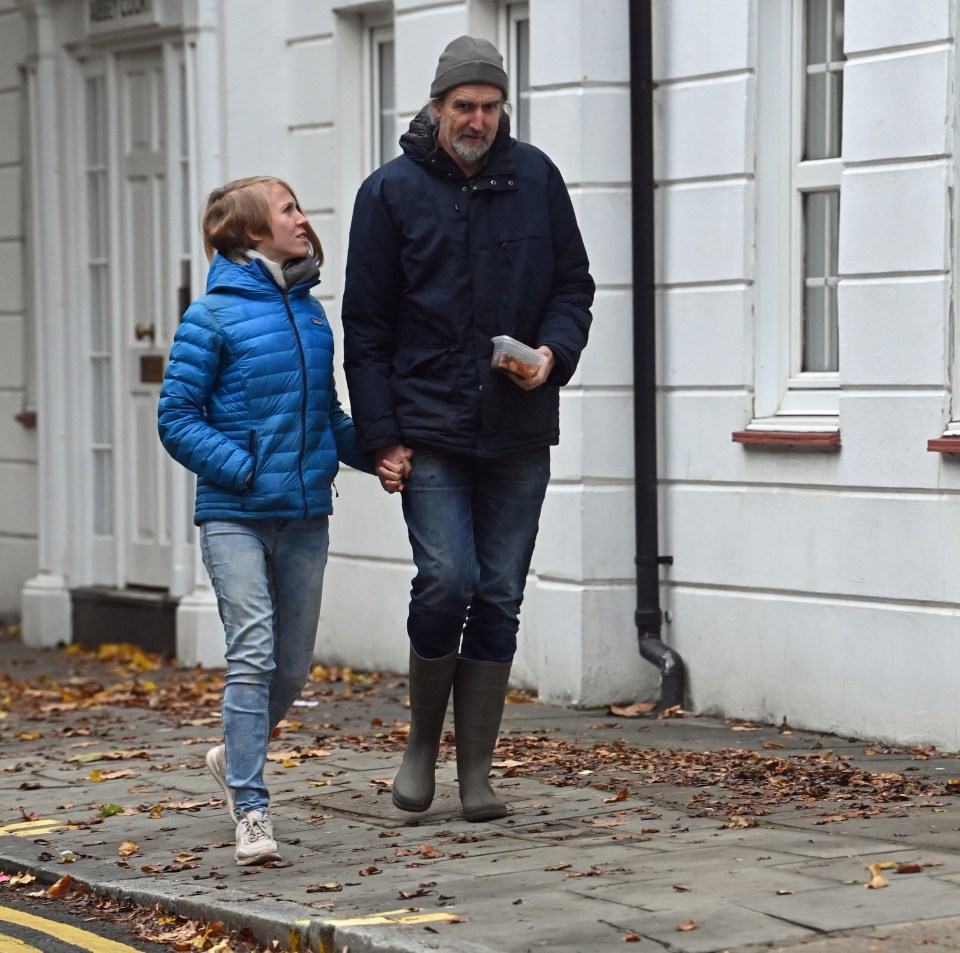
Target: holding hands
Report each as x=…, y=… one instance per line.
x=393, y=466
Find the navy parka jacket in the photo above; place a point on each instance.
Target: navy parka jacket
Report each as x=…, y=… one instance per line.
x=438, y=265
x=248, y=401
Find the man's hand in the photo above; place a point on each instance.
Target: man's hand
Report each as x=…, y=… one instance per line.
x=543, y=372
x=393, y=466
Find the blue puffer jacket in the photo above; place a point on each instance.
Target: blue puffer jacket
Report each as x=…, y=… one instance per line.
x=438, y=265
x=248, y=401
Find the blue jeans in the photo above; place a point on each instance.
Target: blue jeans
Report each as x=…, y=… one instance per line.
x=268, y=579
x=472, y=525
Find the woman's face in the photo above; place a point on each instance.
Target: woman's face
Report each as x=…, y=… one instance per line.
x=288, y=236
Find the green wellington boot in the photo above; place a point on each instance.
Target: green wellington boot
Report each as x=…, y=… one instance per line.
x=479, y=693
x=430, y=681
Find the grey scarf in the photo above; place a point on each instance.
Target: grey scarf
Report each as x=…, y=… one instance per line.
x=294, y=272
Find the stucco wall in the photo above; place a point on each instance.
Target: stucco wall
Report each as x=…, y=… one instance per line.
x=818, y=588
x=578, y=639
x=18, y=448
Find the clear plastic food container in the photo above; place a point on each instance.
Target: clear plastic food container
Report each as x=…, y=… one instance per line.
x=513, y=357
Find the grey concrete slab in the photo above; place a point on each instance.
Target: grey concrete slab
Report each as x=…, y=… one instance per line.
x=510, y=883
x=706, y=925
x=851, y=906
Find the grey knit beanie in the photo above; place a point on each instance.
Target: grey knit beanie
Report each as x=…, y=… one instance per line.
x=469, y=60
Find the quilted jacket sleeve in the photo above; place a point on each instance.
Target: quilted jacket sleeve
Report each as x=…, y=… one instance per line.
x=188, y=383
x=345, y=435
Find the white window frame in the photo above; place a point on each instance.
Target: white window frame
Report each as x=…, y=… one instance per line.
x=376, y=35
x=786, y=397
x=511, y=16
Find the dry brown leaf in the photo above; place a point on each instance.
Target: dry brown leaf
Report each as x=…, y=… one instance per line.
x=632, y=711
x=128, y=848
x=621, y=795
x=689, y=925
x=877, y=880
x=631, y=938
x=61, y=886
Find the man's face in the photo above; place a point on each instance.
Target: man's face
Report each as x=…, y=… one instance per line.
x=468, y=120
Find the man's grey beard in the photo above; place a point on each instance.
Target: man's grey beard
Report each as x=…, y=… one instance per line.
x=470, y=153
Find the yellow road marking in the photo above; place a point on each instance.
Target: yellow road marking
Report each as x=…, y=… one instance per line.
x=28, y=828
x=394, y=916
x=10, y=944
x=34, y=831
x=62, y=931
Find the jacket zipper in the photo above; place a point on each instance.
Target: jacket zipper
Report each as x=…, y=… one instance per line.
x=303, y=403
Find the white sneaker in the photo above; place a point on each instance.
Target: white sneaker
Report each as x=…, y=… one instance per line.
x=255, y=843
x=217, y=766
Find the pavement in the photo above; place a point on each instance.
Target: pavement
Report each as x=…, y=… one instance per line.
x=683, y=834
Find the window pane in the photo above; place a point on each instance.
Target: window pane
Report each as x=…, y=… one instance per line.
x=833, y=233
x=815, y=216
x=823, y=79
x=522, y=105
x=836, y=33
x=834, y=109
x=387, y=95
x=99, y=335
x=96, y=146
x=102, y=417
x=814, y=329
x=102, y=493
x=96, y=214
x=821, y=337
x=817, y=14
x=821, y=226
x=815, y=146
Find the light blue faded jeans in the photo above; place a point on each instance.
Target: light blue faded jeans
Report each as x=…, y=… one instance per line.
x=472, y=524
x=268, y=579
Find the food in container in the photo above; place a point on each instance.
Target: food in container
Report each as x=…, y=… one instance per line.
x=514, y=357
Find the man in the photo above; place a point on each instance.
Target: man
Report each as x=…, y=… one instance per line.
x=467, y=235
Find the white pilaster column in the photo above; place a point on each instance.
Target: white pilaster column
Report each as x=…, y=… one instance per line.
x=200, y=639
x=46, y=598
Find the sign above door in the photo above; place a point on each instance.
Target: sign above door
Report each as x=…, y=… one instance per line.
x=111, y=16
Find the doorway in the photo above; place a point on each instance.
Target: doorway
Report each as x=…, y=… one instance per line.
x=136, y=273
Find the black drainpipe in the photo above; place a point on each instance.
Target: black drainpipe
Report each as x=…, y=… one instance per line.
x=648, y=616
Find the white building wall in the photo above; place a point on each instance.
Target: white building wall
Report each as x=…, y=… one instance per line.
x=18, y=445
x=578, y=640
x=820, y=588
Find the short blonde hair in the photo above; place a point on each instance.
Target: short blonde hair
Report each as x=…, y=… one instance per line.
x=240, y=207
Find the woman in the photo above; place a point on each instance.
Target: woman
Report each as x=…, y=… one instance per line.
x=248, y=403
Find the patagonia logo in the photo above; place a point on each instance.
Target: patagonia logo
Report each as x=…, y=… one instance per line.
x=317, y=320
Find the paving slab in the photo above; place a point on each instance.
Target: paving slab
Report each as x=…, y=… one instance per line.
x=572, y=869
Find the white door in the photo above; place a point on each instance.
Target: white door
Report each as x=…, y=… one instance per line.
x=137, y=487
x=145, y=306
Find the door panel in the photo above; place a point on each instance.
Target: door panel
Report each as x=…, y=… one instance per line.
x=147, y=301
